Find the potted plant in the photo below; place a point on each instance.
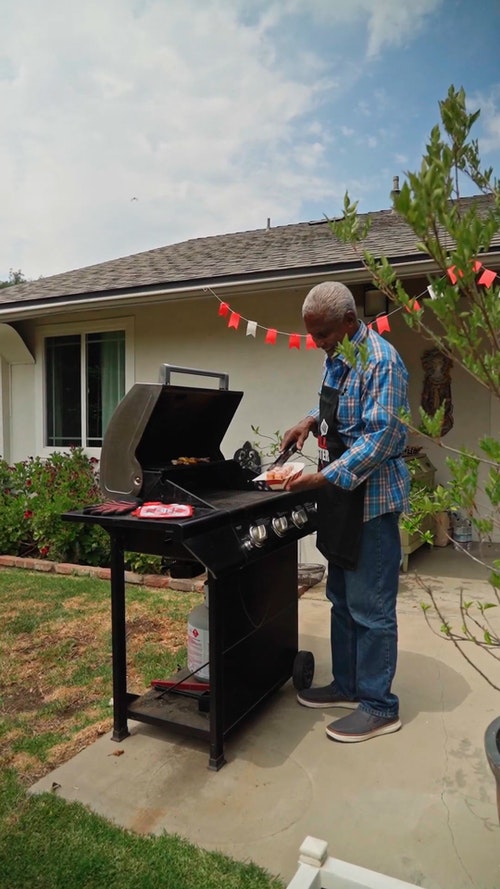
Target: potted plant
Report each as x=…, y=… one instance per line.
x=417, y=527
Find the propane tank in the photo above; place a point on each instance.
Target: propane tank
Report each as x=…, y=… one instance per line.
x=197, y=640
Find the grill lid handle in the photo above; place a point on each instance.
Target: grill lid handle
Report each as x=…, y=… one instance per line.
x=167, y=369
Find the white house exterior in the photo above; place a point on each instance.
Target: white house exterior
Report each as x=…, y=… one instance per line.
x=162, y=306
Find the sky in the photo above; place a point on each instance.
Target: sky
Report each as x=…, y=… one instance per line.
x=131, y=124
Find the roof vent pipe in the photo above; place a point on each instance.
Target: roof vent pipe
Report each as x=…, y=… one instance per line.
x=268, y=226
x=395, y=187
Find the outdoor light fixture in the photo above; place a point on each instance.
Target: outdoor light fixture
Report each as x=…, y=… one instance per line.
x=375, y=303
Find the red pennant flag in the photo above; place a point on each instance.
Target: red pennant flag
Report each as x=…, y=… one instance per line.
x=310, y=344
x=476, y=265
x=223, y=309
x=414, y=306
x=382, y=323
x=271, y=336
x=234, y=320
x=487, y=278
x=294, y=341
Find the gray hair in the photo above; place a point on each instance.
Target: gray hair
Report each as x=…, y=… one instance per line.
x=331, y=299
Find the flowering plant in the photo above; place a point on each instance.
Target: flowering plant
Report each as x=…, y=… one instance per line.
x=33, y=495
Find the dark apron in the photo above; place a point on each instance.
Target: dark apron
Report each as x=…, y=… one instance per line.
x=340, y=513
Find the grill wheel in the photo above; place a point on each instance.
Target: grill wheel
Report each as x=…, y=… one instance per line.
x=303, y=670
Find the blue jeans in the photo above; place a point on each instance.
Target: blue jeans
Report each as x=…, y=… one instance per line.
x=364, y=633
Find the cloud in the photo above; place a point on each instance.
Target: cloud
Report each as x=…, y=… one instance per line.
x=387, y=22
x=214, y=114
x=181, y=105
x=392, y=22
x=489, y=120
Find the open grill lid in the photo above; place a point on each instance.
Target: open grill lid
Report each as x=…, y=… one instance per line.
x=156, y=423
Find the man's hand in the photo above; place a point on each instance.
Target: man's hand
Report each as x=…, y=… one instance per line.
x=298, y=434
x=306, y=481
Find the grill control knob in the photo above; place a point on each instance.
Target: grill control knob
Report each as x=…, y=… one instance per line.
x=280, y=525
x=299, y=517
x=258, y=534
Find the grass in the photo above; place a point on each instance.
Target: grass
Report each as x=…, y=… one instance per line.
x=55, y=660
x=55, y=689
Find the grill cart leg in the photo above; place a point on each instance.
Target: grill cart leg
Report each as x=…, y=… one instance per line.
x=118, y=637
x=216, y=757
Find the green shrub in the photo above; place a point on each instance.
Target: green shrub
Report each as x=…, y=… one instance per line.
x=143, y=564
x=33, y=495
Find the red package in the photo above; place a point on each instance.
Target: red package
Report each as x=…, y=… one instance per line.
x=157, y=510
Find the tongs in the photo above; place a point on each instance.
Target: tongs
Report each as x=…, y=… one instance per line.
x=284, y=456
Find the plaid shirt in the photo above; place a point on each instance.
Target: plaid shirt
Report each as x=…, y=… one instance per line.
x=369, y=401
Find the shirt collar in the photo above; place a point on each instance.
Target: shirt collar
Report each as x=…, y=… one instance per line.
x=357, y=338
x=361, y=333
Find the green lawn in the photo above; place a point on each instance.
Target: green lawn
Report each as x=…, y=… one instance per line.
x=55, y=687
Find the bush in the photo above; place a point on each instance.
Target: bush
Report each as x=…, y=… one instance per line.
x=33, y=495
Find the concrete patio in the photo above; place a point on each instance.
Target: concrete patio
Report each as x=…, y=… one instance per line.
x=418, y=805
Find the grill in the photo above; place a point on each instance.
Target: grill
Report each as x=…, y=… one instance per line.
x=245, y=539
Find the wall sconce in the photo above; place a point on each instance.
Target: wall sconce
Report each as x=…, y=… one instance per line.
x=375, y=303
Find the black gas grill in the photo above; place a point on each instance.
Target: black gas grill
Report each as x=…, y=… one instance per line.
x=162, y=444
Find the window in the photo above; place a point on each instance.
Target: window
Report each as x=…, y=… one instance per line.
x=84, y=381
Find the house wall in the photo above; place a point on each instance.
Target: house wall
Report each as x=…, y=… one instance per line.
x=4, y=408
x=21, y=436
x=280, y=385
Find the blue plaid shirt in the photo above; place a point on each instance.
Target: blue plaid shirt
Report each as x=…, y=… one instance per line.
x=369, y=401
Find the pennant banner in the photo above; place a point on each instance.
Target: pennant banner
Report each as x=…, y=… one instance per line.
x=414, y=306
x=486, y=278
x=455, y=273
x=382, y=323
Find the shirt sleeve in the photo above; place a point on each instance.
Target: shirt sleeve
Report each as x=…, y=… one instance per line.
x=383, y=392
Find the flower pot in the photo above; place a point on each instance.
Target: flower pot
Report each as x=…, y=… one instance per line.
x=492, y=748
x=310, y=574
x=442, y=529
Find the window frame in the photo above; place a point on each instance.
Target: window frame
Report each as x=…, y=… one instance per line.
x=80, y=328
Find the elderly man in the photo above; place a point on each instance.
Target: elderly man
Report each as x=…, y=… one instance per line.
x=362, y=486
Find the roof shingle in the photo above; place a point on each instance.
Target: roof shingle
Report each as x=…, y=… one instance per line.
x=284, y=249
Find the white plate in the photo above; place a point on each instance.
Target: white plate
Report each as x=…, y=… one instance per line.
x=275, y=479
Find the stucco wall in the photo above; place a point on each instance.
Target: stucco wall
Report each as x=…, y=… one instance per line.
x=19, y=426
x=280, y=385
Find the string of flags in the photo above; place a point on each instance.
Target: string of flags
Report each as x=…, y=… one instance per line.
x=234, y=319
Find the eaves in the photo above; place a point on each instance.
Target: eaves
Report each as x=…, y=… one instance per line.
x=232, y=285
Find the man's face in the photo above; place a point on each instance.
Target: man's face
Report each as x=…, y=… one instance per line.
x=327, y=334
